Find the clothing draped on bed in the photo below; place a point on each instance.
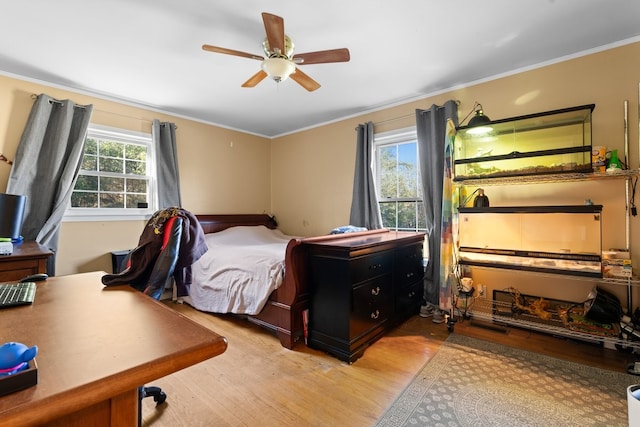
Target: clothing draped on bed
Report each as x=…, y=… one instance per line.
x=243, y=266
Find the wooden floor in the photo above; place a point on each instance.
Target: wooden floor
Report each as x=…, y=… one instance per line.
x=256, y=382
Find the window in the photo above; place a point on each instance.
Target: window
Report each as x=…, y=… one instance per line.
x=116, y=177
x=397, y=172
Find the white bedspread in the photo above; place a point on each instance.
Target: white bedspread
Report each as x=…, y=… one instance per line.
x=242, y=267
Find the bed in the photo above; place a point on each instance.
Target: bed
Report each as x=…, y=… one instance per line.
x=283, y=311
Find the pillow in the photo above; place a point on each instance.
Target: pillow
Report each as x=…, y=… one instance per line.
x=347, y=229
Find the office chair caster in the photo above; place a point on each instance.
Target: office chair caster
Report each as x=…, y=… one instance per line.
x=158, y=395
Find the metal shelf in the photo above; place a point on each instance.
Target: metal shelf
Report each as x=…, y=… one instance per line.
x=551, y=178
x=632, y=282
x=500, y=313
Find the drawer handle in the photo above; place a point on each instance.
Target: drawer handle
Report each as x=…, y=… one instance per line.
x=375, y=291
x=375, y=266
x=375, y=315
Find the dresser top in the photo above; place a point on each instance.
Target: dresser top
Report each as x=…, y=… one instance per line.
x=374, y=240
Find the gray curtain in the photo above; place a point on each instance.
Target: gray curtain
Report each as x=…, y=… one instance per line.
x=164, y=140
x=46, y=166
x=431, y=128
x=365, y=211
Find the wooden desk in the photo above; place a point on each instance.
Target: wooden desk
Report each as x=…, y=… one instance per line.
x=27, y=258
x=96, y=346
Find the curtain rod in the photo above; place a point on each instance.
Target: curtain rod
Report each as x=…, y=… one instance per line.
x=393, y=119
x=56, y=101
x=402, y=117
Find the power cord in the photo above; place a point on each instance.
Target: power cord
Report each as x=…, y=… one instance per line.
x=466, y=200
x=632, y=202
x=473, y=109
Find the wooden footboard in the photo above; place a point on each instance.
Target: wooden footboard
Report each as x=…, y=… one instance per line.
x=283, y=311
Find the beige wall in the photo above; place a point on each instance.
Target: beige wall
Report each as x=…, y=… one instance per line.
x=305, y=178
x=322, y=159
x=221, y=171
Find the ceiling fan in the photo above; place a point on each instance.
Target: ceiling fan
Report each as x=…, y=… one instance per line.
x=280, y=62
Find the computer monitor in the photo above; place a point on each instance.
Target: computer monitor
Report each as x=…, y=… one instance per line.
x=11, y=215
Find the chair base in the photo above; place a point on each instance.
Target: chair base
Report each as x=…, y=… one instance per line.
x=158, y=395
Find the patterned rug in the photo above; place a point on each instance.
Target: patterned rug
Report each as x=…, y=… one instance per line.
x=470, y=382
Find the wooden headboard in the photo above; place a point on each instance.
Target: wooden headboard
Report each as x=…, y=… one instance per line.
x=215, y=223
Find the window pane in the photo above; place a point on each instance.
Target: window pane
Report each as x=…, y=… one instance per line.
x=134, y=199
x=108, y=164
x=407, y=154
x=388, y=213
x=111, y=149
x=136, y=186
x=407, y=170
x=111, y=184
x=388, y=185
x=89, y=163
x=135, y=167
x=111, y=200
x=91, y=146
x=84, y=200
x=135, y=152
x=388, y=171
x=422, y=216
x=388, y=158
x=407, y=215
x=86, y=182
x=407, y=184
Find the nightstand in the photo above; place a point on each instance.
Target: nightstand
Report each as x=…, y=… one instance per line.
x=27, y=258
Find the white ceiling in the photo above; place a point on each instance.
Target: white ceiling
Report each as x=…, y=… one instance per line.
x=148, y=52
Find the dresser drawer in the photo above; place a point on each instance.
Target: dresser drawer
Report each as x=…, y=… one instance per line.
x=370, y=266
x=408, y=299
x=409, y=268
x=372, y=305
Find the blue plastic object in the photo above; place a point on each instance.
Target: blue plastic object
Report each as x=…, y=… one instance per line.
x=15, y=357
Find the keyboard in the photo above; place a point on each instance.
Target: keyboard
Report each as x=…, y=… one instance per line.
x=12, y=294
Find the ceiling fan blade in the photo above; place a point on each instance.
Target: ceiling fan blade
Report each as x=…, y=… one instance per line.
x=255, y=79
x=217, y=49
x=274, y=27
x=304, y=80
x=322, y=56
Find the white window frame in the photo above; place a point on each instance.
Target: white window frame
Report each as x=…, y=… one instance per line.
x=119, y=214
x=408, y=134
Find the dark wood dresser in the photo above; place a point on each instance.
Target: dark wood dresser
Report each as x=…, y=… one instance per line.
x=27, y=258
x=361, y=287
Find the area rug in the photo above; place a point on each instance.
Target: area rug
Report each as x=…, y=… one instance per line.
x=471, y=382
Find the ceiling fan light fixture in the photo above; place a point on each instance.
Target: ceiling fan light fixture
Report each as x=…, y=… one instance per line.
x=280, y=64
x=279, y=69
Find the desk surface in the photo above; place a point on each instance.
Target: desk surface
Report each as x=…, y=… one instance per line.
x=96, y=342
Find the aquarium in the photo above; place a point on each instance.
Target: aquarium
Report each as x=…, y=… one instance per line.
x=554, y=239
x=552, y=142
